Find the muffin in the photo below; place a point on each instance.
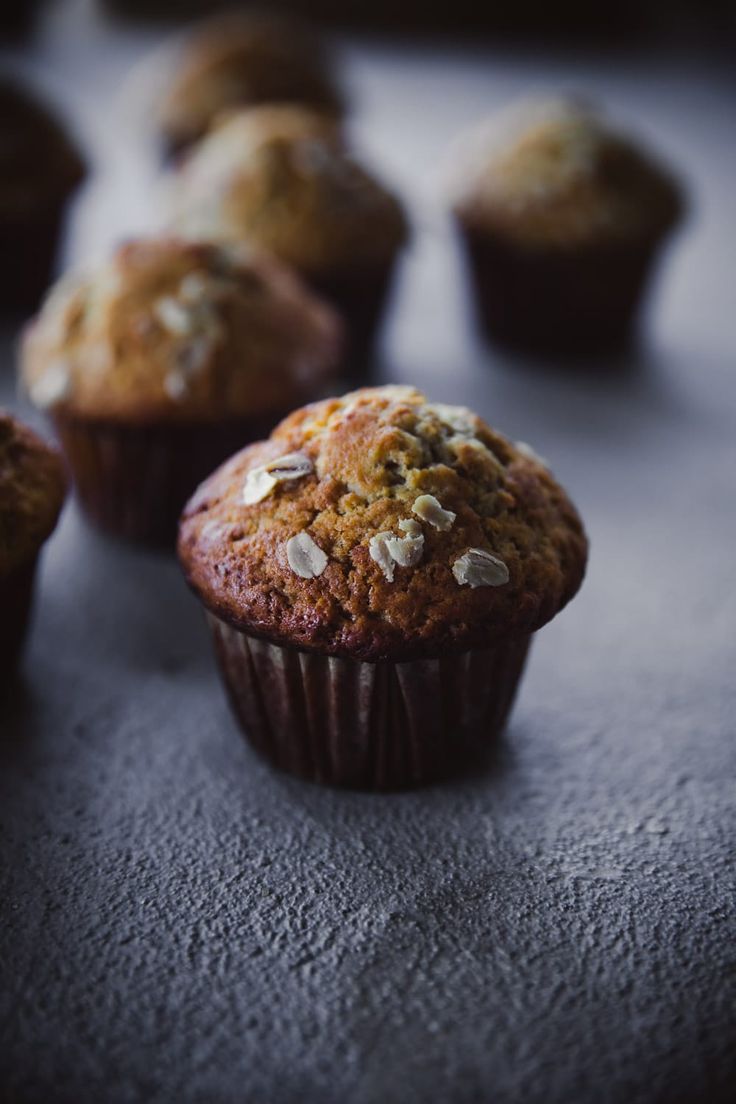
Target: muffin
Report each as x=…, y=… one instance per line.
x=285, y=183
x=372, y=574
x=32, y=490
x=562, y=218
x=241, y=60
x=161, y=364
x=39, y=171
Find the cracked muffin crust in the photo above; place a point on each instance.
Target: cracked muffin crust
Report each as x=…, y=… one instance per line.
x=178, y=331
x=562, y=218
x=240, y=61
x=381, y=526
x=32, y=491
x=556, y=175
x=283, y=181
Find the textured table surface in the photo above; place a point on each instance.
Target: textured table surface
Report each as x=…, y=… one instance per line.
x=180, y=923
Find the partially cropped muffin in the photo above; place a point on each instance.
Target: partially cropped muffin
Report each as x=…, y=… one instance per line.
x=372, y=574
x=32, y=491
x=162, y=363
x=562, y=217
x=287, y=184
x=40, y=169
x=241, y=60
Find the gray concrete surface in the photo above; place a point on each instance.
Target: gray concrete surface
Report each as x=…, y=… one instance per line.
x=179, y=923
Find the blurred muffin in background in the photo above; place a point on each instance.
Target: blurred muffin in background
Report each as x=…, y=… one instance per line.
x=157, y=367
x=562, y=218
x=283, y=180
x=40, y=168
x=372, y=574
x=243, y=59
x=32, y=492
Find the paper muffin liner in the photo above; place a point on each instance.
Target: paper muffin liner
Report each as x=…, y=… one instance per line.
x=134, y=480
x=370, y=726
x=571, y=301
x=16, y=598
x=360, y=297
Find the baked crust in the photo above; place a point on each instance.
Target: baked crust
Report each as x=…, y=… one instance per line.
x=32, y=491
x=242, y=60
x=370, y=456
x=282, y=180
x=557, y=176
x=179, y=331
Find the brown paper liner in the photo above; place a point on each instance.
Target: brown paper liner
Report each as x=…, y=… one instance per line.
x=370, y=726
x=16, y=597
x=134, y=480
x=360, y=297
x=570, y=303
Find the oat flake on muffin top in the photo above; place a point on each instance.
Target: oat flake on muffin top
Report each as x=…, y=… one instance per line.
x=382, y=525
x=178, y=330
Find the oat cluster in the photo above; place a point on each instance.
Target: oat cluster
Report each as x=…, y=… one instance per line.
x=380, y=524
x=178, y=330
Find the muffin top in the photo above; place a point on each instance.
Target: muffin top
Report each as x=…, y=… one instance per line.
x=32, y=489
x=380, y=525
x=38, y=164
x=241, y=60
x=283, y=180
x=556, y=175
x=182, y=331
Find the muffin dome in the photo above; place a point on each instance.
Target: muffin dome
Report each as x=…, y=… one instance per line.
x=239, y=61
x=380, y=525
x=39, y=166
x=285, y=183
x=178, y=330
x=32, y=490
x=555, y=175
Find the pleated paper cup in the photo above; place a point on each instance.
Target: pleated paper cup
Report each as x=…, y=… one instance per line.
x=559, y=302
x=360, y=296
x=133, y=479
x=369, y=726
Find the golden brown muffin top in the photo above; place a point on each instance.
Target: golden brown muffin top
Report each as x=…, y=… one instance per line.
x=182, y=331
x=555, y=174
x=283, y=181
x=241, y=60
x=39, y=165
x=32, y=490
x=382, y=525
